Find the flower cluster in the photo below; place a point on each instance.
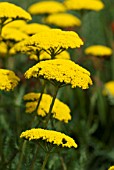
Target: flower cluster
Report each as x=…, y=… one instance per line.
x=50, y=136
x=46, y=7
x=109, y=88
x=95, y=5
x=63, y=71
x=9, y=10
x=8, y=80
x=57, y=19
x=98, y=50
x=60, y=110
x=54, y=41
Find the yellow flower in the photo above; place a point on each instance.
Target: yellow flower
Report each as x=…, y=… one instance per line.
x=18, y=24
x=9, y=10
x=60, y=110
x=84, y=4
x=54, y=41
x=46, y=7
x=8, y=80
x=61, y=71
x=109, y=88
x=34, y=28
x=13, y=34
x=63, y=20
x=98, y=50
x=46, y=56
x=51, y=136
x=3, y=49
x=111, y=168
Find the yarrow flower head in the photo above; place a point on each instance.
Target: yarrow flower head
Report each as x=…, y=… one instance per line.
x=18, y=24
x=13, y=34
x=9, y=10
x=46, y=7
x=111, y=168
x=61, y=71
x=60, y=110
x=54, y=41
x=109, y=88
x=8, y=80
x=63, y=20
x=50, y=136
x=95, y=5
x=98, y=50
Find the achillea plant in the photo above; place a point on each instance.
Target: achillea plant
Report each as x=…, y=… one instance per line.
x=111, y=168
x=109, y=88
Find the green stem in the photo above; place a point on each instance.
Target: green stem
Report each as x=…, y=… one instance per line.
x=34, y=159
x=51, y=107
x=46, y=159
x=22, y=155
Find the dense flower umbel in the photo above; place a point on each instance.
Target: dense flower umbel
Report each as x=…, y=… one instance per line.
x=109, y=88
x=8, y=80
x=84, y=4
x=51, y=136
x=9, y=10
x=46, y=7
x=54, y=41
x=62, y=71
x=46, y=56
x=34, y=28
x=98, y=50
x=18, y=24
x=13, y=34
x=60, y=110
x=111, y=168
x=63, y=20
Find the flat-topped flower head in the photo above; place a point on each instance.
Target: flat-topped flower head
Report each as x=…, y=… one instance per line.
x=50, y=136
x=63, y=20
x=95, y=5
x=62, y=72
x=111, y=168
x=109, y=88
x=34, y=28
x=54, y=41
x=46, y=7
x=18, y=24
x=98, y=50
x=60, y=110
x=45, y=56
x=8, y=80
x=12, y=11
x=13, y=34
